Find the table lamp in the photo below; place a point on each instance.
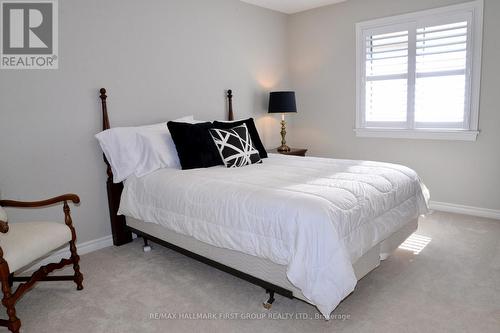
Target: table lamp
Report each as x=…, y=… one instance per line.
x=282, y=102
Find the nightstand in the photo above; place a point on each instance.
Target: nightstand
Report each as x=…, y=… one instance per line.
x=293, y=151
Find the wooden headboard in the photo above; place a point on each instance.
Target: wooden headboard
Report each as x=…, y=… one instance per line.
x=122, y=234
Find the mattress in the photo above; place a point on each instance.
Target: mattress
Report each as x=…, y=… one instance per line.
x=315, y=216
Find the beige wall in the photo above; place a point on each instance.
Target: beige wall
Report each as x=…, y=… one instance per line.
x=195, y=49
x=159, y=60
x=321, y=45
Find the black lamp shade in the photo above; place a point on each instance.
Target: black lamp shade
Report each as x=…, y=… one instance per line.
x=282, y=102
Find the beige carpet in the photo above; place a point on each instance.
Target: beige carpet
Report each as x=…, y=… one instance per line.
x=452, y=285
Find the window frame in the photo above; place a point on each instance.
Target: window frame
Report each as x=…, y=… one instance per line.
x=472, y=12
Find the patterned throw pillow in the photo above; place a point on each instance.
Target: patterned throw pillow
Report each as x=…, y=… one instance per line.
x=235, y=146
x=254, y=134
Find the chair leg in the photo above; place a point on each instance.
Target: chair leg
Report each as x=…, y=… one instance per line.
x=13, y=323
x=75, y=258
x=11, y=279
x=78, y=277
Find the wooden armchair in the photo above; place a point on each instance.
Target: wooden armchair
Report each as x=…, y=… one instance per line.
x=23, y=243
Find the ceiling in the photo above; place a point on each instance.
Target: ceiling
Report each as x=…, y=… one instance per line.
x=291, y=6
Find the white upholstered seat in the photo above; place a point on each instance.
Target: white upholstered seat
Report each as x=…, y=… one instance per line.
x=28, y=241
x=23, y=243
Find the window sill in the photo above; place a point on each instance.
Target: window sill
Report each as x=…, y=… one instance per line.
x=429, y=134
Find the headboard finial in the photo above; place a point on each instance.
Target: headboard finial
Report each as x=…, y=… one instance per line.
x=105, y=117
x=230, y=115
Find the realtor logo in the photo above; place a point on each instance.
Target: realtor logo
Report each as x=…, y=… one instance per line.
x=29, y=34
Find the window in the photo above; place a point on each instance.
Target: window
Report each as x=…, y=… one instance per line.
x=418, y=74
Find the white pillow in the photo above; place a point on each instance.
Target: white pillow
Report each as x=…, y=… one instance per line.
x=139, y=150
x=158, y=148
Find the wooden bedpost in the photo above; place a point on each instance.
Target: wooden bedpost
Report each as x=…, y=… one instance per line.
x=230, y=115
x=121, y=234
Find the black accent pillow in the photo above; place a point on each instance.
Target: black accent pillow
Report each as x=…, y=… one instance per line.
x=235, y=146
x=194, y=145
x=254, y=134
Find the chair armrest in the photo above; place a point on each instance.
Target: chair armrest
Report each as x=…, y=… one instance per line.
x=24, y=204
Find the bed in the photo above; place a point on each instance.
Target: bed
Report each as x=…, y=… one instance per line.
x=302, y=227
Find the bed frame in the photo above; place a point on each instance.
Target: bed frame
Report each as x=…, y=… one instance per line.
x=122, y=233
x=262, y=272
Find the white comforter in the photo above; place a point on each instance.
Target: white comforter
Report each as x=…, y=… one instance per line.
x=315, y=215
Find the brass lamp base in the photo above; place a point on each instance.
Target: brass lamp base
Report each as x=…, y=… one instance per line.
x=283, y=149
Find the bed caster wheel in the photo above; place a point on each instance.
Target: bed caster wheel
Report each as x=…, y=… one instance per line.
x=267, y=305
x=146, y=247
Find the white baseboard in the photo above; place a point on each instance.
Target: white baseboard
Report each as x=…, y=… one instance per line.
x=466, y=210
x=83, y=248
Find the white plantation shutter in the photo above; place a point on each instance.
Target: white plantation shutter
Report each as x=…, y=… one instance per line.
x=386, y=78
x=441, y=76
x=420, y=71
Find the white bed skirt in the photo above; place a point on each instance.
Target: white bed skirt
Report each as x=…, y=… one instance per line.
x=263, y=268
